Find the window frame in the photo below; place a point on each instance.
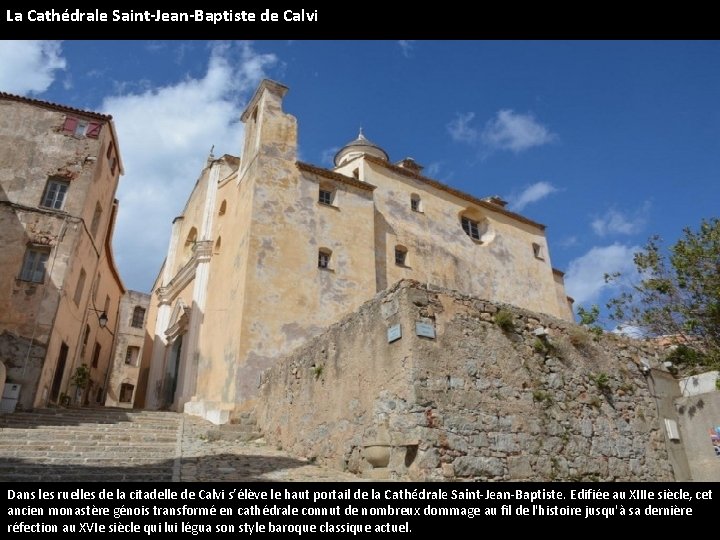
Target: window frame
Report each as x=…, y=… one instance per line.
x=134, y=317
x=57, y=199
x=402, y=259
x=324, y=257
x=130, y=358
x=328, y=194
x=29, y=273
x=470, y=227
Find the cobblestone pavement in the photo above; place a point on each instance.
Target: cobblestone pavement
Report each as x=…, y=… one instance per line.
x=205, y=459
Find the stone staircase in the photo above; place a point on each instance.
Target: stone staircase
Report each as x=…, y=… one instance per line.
x=102, y=444
x=242, y=428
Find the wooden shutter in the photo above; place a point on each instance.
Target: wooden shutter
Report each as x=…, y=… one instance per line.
x=70, y=125
x=93, y=130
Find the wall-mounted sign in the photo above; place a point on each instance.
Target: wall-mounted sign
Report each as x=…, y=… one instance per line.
x=425, y=330
x=394, y=333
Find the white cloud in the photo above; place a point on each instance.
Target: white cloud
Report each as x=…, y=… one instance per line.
x=165, y=135
x=531, y=194
x=569, y=241
x=584, y=279
x=516, y=132
x=328, y=155
x=629, y=330
x=406, y=46
x=460, y=129
x=615, y=222
x=433, y=169
x=506, y=131
x=29, y=67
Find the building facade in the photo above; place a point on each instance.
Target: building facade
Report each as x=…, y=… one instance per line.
x=269, y=251
x=59, y=288
x=129, y=344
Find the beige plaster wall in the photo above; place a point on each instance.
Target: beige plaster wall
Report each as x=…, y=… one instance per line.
x=37, y=318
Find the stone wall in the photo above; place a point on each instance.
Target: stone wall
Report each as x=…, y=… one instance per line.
x=540, y=399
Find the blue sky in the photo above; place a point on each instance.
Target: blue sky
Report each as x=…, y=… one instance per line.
x=604, y=142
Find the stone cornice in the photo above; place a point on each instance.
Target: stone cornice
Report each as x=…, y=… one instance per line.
x=334, y=176
x=202, y=252
x=460, y=194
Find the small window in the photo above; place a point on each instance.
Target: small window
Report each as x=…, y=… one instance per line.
x=86, y=335
x=138, y=318
x=356, y=174
x=218, y=245
x=99, y=395
x=54, y=195
x=400, y=255
x=96, y=355
x=324, y=258
x=537, y=251
x=79, y=287
x=131, y=355
x=191, y=237
x=415, y=203
x=106, y=308
x=471, y=228
x=112, y=158
x=81, y=128
x=223, y=208
x=326, y=196
x=34, y=263
x=126, y=392
x=96, y=220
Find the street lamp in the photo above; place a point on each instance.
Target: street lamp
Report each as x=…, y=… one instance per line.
x=102, y=318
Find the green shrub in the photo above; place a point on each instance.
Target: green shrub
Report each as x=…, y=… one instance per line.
x=505, y=320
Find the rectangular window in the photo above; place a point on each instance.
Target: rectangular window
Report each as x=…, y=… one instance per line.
x=95, y=224
x=415, y=204
x=96, y=355
x=54, y=195
x=471, y=228
x=34, y=263
x=79, y=287
x=400, y=255
x=81, y=128
x=537, y=251
x=323, y=260
x=325, y=197
x=106, y=308
x=138, y=317
x=131, y=355
x=126, y=392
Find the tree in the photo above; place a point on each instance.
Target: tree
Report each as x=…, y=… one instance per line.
x=677, y=294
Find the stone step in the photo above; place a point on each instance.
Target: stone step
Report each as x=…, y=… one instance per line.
x=109, y=453
x=49, y=474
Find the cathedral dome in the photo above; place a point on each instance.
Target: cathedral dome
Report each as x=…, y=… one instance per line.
x=358, y=147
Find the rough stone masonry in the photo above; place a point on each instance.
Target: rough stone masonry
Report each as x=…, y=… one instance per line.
x=497, y=393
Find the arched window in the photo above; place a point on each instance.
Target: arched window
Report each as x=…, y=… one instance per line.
x=401, y=255
x=415, y=203
x=191, y=237
x=476, y=226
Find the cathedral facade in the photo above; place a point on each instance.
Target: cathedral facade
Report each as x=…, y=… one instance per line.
x=269, y=251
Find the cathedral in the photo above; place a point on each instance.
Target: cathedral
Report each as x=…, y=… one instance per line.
x=269, y=251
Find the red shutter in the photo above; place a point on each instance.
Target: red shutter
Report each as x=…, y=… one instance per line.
x=70, y=125
x=93, y=130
